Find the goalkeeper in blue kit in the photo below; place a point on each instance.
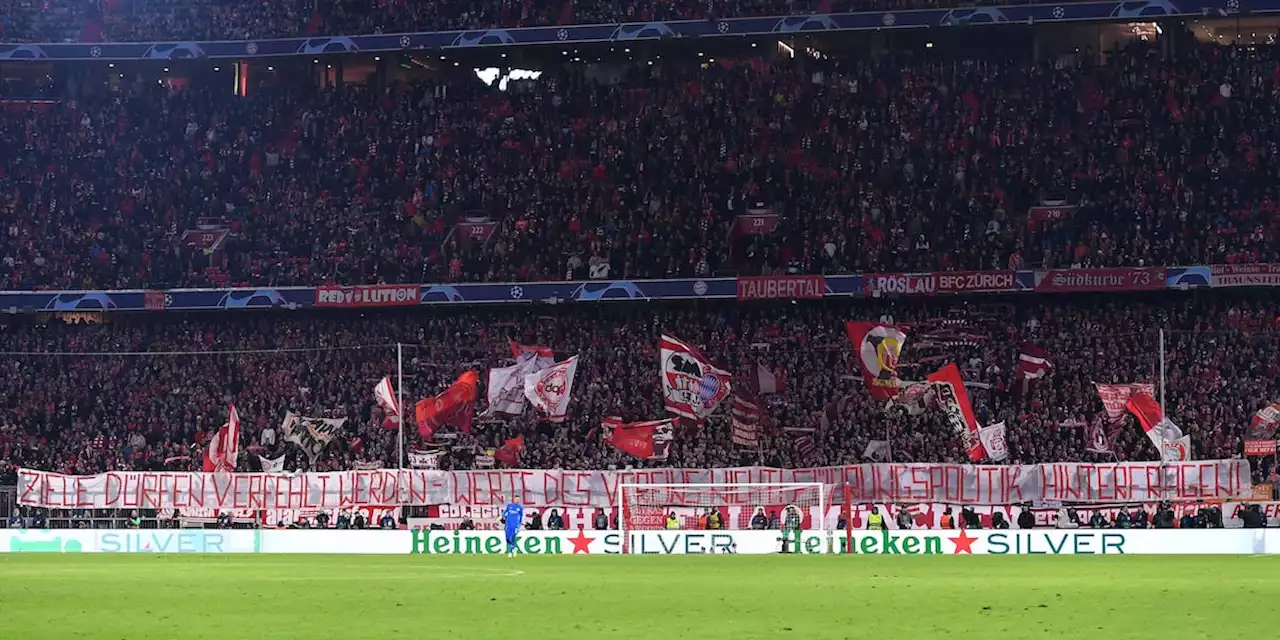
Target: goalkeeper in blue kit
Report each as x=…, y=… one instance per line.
x=512, y=520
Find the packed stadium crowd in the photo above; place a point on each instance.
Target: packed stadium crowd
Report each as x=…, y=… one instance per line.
x=167, y=20
x=93, y=404
x=897, y=163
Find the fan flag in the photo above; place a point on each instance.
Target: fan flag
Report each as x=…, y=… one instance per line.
x=505, y=390
x=1115, y=396
x=877, y=347
x=509, y=452
x=312, y=435
x=692, y=387
x=993, y=441
x=954, y=400
x=454, y=406
x=1032, y=363
x=550, y=389
x=272, y=466
x=650, y=440
x=1163, y=433
x=220, y=456
x=876, y=451
x=745, y=410
x=542, y=357
x=385, y=396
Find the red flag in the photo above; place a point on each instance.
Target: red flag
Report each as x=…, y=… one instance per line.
x=954, y=400
x=1032, y=363
x=1145, y=409
x=649, y=440
x=220, y=456
x=455, y=406
x=877, y=347
x=509, y=452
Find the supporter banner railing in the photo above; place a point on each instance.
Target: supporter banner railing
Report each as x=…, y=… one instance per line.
x=576, y=34
x=595, y=291
x=946, y=483
x=591, y=542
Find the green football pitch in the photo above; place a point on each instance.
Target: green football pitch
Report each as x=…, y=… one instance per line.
x=174, y=597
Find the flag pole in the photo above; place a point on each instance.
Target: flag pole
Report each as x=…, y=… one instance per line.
x=888, y=444
x=1163, y=414
x=400, y=405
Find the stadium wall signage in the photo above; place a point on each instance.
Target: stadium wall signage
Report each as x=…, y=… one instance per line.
x=589, y=543
x=914, y=482
x=598, y=291
x=778, y=26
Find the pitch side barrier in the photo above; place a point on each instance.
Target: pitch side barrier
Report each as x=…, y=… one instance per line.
x=593, y=543
x=866, y=483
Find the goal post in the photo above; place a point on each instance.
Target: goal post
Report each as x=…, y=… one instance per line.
x=727, y=506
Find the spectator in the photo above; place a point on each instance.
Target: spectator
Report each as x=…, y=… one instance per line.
x=601, y=521
x=387, y=521
x=1098, y=521
x=998, y=521
x=714, y=521
x=554, y=521
x=1026, y=520
x=359, y=521
x=535, y=522
x=904, y=518
x=322, y=520
x=1122, y=519
x=947, y=521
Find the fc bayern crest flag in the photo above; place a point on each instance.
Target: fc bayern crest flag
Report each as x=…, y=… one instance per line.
x=692, y=387
x=877, y=347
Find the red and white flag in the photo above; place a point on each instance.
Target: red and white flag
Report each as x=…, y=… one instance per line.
x=551, y=389
x=953, y=399
x=1032, y=363
x=804, y=447
x=1163, y=433
x=455, y=406
x=1115, y=396
x=650, y=440
x=542, y=357
x=877, y=347
x=746, y=420
x=993, y=441
x=692, y=387
x=220, y=456
x=1096, y=439
x=385, y=396
x=917, y=398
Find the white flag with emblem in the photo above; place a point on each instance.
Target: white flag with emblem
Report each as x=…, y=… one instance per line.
x=550, y=389
x=272, y=466
x=992, y=437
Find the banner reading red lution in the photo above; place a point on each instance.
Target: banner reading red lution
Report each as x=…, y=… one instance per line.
x=947, y=483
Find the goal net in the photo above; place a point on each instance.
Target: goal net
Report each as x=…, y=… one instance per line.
x=777, y=507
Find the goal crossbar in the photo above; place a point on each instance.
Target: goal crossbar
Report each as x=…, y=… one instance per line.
x=725, y=505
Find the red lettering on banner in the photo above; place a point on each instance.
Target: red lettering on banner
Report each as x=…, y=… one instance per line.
x=46, y=493
x=151, y=494
x=29, y=488
x=112, y=487
x=495, y=495
x=297, y=491
x=581, y=493
x=82, y=498
x=377, y=295
x=1013, y=488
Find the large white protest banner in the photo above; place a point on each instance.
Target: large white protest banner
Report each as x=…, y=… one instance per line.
x=943, y=483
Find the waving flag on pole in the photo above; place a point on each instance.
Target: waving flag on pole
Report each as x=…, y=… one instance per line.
x=455, y=406
x=385, y=396
x=954, y=400
x=1116, y=396
x=1163, y=433
x=505, y=391
x=509, y=452
x=993, y=441
x=542, y=357
x=877, y=347
x=550, y=389
x=272, y=466
x=745, y=410
x=220, y=456
x=649, y=440
x=312, y=435
x=692, y=387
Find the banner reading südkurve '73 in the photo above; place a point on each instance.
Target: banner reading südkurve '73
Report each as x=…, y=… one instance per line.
x=944, y=483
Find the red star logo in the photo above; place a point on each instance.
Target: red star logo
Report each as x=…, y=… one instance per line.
x=963, y=543
x=581, y=543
